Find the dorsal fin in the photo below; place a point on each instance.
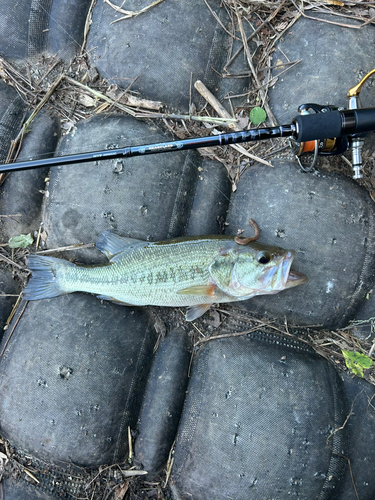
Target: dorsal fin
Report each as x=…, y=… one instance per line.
x=111, y=244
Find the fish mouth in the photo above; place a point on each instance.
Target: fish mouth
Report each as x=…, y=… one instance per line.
x=280, y=277
x=294, y=279
x=291, y=278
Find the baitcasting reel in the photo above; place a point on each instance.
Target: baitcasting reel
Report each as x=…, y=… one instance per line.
x=334, y=145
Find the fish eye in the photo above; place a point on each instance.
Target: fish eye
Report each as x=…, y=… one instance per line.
x=264, y=257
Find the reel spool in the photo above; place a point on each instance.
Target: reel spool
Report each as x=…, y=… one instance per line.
x=307, y=152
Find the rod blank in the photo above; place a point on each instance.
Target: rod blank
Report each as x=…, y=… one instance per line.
x=303, y=128
x=161, y=147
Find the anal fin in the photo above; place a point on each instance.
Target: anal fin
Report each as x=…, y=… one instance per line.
x=113, y=299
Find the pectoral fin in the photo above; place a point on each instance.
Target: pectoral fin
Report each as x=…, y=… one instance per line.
x=195, y=312
x=208, y=290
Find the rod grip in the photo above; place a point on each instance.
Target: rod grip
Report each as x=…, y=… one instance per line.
x=364, y=120
x=334, y=124
x=318, y=126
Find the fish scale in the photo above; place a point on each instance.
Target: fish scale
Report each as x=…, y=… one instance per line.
x=142, y=277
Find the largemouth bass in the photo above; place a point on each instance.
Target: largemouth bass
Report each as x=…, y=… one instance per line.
x=191, y=271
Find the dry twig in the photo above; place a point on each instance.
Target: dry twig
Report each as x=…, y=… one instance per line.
x=16, y=142
x=252, y=68
x=87, y=25
x=130, y=13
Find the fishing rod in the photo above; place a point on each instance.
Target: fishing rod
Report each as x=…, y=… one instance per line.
x=323, y=130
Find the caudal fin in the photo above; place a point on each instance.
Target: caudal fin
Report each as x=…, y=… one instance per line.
x=44, y=282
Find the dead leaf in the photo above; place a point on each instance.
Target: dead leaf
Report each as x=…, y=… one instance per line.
x=283, y=25
x=112, y=92
x=86, y=100
x=138, y=102
x=43, y=236
x=242, y=121
x=67, y=126
x=214, y=319
x=121, y=490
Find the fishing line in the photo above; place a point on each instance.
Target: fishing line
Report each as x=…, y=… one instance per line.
x=108, y=77
x=58, y=24
x=84, y=51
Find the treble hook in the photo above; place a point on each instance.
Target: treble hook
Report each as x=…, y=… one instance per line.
x=240, y=240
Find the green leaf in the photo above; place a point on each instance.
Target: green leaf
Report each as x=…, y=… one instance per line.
x=356, y=362
x=257, y=115
x=20, y=241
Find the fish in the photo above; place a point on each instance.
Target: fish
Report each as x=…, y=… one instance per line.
x=193, y=272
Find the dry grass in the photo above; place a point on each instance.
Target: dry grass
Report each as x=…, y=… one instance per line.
x=86, y=94
x=45, y=84
x=327, y=343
